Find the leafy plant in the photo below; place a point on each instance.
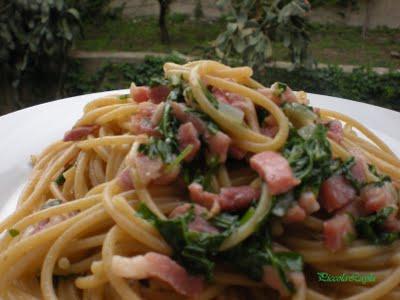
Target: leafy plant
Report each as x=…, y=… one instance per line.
x=32, y=33
x=254, y=24
x=339, y=3
x=361, y=84
x=113, y=75
x=96, y=11
x=162, y=20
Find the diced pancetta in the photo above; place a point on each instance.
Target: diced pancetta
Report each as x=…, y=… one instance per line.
x=229, y=199
x=188, y=135
x=355, y=208
x=336, y=192
x=274, y=169
x=142, y=121
x=335, y=131
x=295, y=214
x=360, y=168
x=279, y=96
x=140, y=93
x=125, y=180
x=158, y=266
x=148, y=169
x=308, y=202
x=237, y=197
x=236, y=152
x=159, y=93
x=179, y=110
x=78, y=133
x=269, y=131
x=218, y=144
x=392, y=223
x=168, y=177
x=375, y=198
x=201, y=197
x=199, y=223
x=338, y=231
x=269, y=93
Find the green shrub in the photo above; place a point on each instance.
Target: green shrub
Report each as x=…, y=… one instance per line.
x=115, y=75
x=361, y=85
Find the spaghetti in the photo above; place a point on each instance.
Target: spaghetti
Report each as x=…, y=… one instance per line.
x=206, y=185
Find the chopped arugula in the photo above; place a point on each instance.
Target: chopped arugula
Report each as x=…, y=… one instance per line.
x=123, y=97
x=179, y=158
x=225, y=221
x=201, y=169
x=214, y=102
x=382, y=179
x=251, y=256
x=157, y=80
x=13, y=232
x=166, y=147
x=279, y=88
x=262, y=113
x=281, y=203
x=194, y=250
x=60, y=179
x=159, y=148
x=370, y=227
x=345, y=170
x=309, y=154
x=198, y=251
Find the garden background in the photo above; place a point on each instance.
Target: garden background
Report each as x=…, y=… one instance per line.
x=50, y=49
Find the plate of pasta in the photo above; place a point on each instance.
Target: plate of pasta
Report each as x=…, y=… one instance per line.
x=203, y=184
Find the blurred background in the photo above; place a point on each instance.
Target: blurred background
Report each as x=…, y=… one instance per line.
x=51, y=49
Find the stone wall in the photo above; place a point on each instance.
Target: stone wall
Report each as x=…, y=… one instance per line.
x=381, y=12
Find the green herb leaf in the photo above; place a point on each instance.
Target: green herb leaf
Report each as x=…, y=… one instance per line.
x=370, y=227
x=210, y=96
x=123, y=97
x=60, y=179
x=179, y=158
x=282, y=204
x=309, y=154
x=165, y=147
x=157, y=80
x=194, y=250
x=251, y=256
x=13, y=232
x=382, y=179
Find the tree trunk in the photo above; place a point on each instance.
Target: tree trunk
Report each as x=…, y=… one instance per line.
x=61, y=77
x=164, y=4
x=366, y=20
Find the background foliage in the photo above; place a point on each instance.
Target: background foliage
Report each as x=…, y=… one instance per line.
x=34, y=34
x=362, y=83
x=253, y=25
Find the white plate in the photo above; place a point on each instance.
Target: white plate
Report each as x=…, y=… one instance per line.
x=30, y=130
